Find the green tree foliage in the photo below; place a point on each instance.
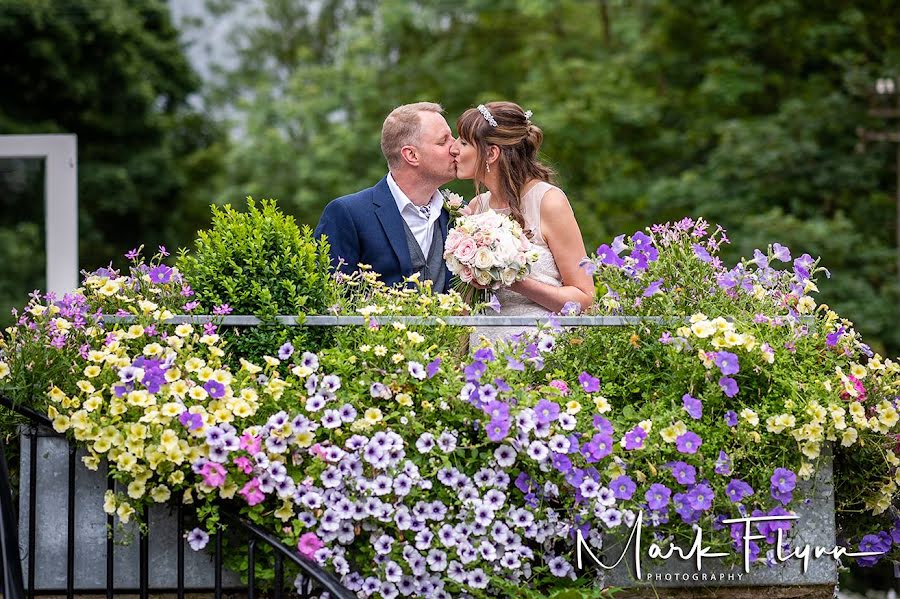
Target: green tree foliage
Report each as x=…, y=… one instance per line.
x=114, y=73
x=744, y=112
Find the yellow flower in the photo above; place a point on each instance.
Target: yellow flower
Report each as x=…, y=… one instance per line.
x=205, y=373
x=172, y=374
x=573, y=407
x=304, y=439
x=85, y=387
x=602, y=404
x=285, y=512
x=146, y=306
x=194, y=364
x=816, y=411
x=136, y=489
x=849, y=437
x=109, y=502
x=805, y=471
x=668, y=434
x=249, y=367
x=397, y=358
x=178, y=388
x=183, y=330
x=61, y=423
x=222, y=376
x=109, y=287
x=176, y=478
x=647, y=425
x=811, y=449
x=722, y=325
x=124, y=512
x=414, y=337
x=242, y=409
x=198, y=393
x=56, y=394
x=168, y=440
x=699, y=316
x=614, y=470
x=96, y=356
x=140, y=398
x=134, y=331
x=91, y=462
x=153, y=349
x=89, y=371
x=888, y=416
x=858, y=370
x=372, y=416
x=223, y=415
x=126, y=461
x=404, y=399
x=380, y=350
x=857, y=411
x=170, y=409
x=37, y=309
x=160, y=493
x=703, y=329
x=806, y=304
x=732, y=339
x=750, y=416
x=271, y=361
x=891, y=458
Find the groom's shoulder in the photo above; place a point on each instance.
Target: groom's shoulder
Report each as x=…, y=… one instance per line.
x=358, y=200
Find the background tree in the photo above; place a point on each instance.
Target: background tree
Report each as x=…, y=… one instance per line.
x=743, y=111
x=114, y=73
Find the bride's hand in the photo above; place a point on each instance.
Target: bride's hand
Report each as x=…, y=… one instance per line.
x=467, y=209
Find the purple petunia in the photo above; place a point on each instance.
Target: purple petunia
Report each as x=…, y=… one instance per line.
x=693, y=406
x=684, y=473
x=688, y=442
x=215, y=389
x=701, y=252
x=623, y=487
x=729, y=386
x=731, y=418
x=589, y=383
x=783, y=480
x=727, y=362
x=432, y=368
x=781, y=252
x=546, y=411
x=160, y=274
x=497, y=429
x=700, y=497
x=723, y=464
x=197, y=539
x=736, y=490
x=285, y=351
x=657, y=496
x=653, y=288
x=634, y=439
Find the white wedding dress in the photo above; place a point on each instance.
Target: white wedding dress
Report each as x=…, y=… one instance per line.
x=544, y=270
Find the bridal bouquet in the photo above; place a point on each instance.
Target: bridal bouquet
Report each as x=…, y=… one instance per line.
x=489, y=249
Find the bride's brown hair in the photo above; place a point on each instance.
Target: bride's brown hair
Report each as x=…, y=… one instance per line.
x=519, y=142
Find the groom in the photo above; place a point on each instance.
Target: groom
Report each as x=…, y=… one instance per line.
x=399, y=226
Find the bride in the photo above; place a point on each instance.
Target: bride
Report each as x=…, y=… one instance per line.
x=498, y=147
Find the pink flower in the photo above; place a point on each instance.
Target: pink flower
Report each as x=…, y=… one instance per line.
x=243, y=462
x=453, y=239
x=250, y=443
x=309, y=543
x=252, y=493
x=213, y=474
x=466, y=275
x=561, y=385
x=465, y=251
x=317, y=450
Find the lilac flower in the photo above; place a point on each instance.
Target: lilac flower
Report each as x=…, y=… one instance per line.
x=634, y=439
x=433, y=367
x=191, y=421
x=700, y=497
x=653, y=288
x=623, y=487
x=723, y=464
x=589, y=383
x=731, y=418
x=701, y=252
x=684, y=473
x=497, y=429
x=760, y=259
x=570, y=309
x=727, y=362
x=285, y=351
x=546, y=411
x=215, y=389
x=781, y=252
x=514, y=364
x=587, y=266
x=832, y=338
x=197, y=539
x=729, y=386
x=222, y=310
x=783, y=480
x=736, y=490
x=494, y=304
x=133, y=253
x=603, y=425
x=608, y=255
x=416, y=370
x=597, y=448
x=559, y=567
x=160, y=274
x=657, y=496
x=693, y=406
x=474, y=371
x=688, y=442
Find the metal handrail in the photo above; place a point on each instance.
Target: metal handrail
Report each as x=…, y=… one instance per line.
x=13, y=586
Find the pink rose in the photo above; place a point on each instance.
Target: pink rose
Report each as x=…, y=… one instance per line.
x=465, y=251
x=466, y=275
x=453, y=239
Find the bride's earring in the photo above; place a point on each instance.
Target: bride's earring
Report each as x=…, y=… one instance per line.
x=488, y=164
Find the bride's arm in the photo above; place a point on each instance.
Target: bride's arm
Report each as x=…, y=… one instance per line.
x=563, y=237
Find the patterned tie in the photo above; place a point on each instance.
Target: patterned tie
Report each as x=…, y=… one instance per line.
x=425, y=211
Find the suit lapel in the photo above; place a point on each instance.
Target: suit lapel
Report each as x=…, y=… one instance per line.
x=392, y=223
x=444, y=222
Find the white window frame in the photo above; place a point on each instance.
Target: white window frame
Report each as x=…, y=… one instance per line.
x=60, y=153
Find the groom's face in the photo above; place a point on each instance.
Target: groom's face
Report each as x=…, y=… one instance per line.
x=436, y=145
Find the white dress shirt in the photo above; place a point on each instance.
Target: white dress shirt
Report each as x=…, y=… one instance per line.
x=422, y=227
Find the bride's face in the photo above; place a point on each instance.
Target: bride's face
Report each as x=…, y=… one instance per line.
x=466, y=159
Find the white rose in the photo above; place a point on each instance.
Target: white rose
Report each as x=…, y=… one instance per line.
x=508, y=276
x=483, y=259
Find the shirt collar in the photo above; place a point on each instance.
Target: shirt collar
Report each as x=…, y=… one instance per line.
x=437, y=200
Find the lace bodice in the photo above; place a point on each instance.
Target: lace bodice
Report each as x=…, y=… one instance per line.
x=544, y=270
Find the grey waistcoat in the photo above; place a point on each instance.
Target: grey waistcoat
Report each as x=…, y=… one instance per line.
x=433, y=267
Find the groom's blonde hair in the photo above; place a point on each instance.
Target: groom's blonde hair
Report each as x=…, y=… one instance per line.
x=403, y=127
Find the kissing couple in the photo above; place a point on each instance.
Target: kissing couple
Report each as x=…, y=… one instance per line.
x=399, y=226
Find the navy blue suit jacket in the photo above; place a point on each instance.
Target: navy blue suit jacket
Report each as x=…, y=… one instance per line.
x=366, y=227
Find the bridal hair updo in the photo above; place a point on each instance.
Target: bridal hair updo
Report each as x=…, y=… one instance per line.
x=519, y=142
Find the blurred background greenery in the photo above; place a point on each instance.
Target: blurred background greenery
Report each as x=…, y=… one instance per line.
x=743, y=112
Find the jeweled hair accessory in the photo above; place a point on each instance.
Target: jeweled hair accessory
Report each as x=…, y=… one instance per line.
x=487, y=115
x=528, y=114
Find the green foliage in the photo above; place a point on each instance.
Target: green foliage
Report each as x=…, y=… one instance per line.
x=260, y=262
